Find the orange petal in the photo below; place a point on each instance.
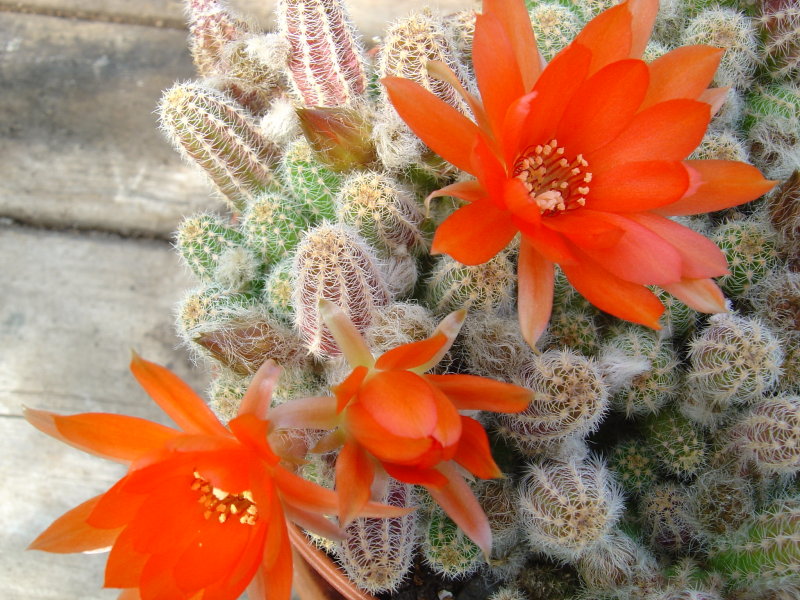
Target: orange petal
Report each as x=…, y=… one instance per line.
x=559, y=81
x=603, y=106
x=305, y=413
x=116, y=437
x=382, y=444
x=714, y=97
x=584, y=228
x=70, y=533
x=613, y=295
x=700, y=257
x=346, y=390
x=259, y=394
x=129, y=594
x=470, y=392
x=315, y=522
x=474, y=233
x=278, y=576
x=643, y=14
x=473, y=451
x=176, y=398
x=304, y=494
x=411, y=355
x=496, y=69
x=447, y=430
x=441, y=71
x=682, y=73
x=550, y=244
x=460, y=504
x=416, y=475
x=124, y=564
x=449, y=327
x=347, y=336
x=469, y=191
x=354, y=474
x=638, y=186
x=401, y=402
x=535, y=291
x=700, y=294
x=607, y=36
x=666, y=131
x=639, y=256
x=516, y=24
x=445, y=130
x=514, y=127
x=718, y=184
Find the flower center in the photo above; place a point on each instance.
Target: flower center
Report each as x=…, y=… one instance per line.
x=553, y=182
x=222, y=505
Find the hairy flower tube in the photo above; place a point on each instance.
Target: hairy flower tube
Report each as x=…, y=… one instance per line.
x=390, y=417
x=204, y=511
x=585, y=158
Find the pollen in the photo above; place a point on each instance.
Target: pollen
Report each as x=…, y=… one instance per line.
x=554, y=182
x=224, y=506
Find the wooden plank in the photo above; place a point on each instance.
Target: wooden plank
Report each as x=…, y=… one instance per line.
x=43, y=479
x=72, y=308
x=370, y=16
x=80, y=143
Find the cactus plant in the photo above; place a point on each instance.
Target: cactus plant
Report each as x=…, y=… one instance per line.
x=566, y=508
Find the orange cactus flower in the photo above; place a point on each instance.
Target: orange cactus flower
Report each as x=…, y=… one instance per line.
x=585, y=158
x=390, y=417
x=202, y=511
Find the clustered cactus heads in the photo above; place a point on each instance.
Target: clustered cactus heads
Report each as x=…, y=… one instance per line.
x=326, y=190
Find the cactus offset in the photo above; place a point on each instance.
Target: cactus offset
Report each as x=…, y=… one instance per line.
x=570, y=399
x=335, y=264
x=566, y=508
x=325, y=57
x=208, y=128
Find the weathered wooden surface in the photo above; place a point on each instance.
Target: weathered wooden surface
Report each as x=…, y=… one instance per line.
x=369, y=15
x=79, y=80
x=71, y=309
x=80, y=144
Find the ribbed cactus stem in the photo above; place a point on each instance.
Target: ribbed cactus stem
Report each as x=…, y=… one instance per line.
x=211, y=130
x=333, y=263
x=488, y=287
x=377, y=553
x=784, y=212
x=447, y=550
x=652, y=386
x=273, y=225
x=676, y=442
x=201, y=240
x=384, y=214
x=766, y=550
x=769, y=436
x=735, y=360
x=211, y=26
x=326, y=60
x=567, y=507
x=570, y=399
x=554, y=25
x=311, y=183
x=408, y=47
x=750, y=248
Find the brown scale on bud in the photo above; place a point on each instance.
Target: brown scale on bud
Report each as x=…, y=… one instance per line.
x=336, y=265
x=326, y=60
